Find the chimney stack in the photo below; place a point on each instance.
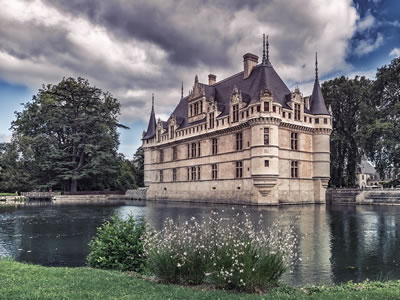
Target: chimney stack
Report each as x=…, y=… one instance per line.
x=212, y=79
x=249, y=61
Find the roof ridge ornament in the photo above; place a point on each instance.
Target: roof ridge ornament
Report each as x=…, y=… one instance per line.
x=267, y=46
x=263, y=56
x=182, y=91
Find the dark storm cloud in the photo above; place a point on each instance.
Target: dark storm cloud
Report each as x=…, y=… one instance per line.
x=187, y=40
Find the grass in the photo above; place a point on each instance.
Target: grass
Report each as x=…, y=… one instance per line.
x=24, y=281
x=8, y=194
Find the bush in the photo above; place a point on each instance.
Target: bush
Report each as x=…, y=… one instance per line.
x=118, y=245
x=228, y=253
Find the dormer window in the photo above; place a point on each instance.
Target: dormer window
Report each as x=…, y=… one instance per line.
x=266, y=106
x=297, y=111
x=211, y=119
x=172, y=131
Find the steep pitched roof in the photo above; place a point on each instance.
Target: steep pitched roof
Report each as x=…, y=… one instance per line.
x=151, y=129
x=318, y=106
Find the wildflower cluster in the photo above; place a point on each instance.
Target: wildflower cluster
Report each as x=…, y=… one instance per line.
x=226, y=252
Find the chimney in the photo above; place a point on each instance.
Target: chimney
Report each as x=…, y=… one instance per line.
x=212, y=79
x=249, y=61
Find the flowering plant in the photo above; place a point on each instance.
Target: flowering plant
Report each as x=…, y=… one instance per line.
x=227, y=252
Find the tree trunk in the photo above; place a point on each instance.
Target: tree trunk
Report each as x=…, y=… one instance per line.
x=74, y=185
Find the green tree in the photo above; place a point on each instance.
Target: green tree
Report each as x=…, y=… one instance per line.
x=138, y=162
x=69, y=133
x=381, y=126
x=345, y=96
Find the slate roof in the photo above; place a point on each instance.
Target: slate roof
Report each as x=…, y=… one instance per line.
x=151, y=129
x=318, y=106
x=263, y=76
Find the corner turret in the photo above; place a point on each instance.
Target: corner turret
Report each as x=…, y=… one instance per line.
x=318, y=106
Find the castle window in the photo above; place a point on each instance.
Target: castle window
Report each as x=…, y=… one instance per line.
x=174, y=153
x=188, y=174
x=293, y=140
x=172, y=132
x=194, y=173
x=194, y=146
x=188, y=150
x=266, y=106
x=247, y=113
x=211, y=120
x=158, y=135
x=235, y=113
x=274, y=108
x=242, y=114
x=305, y=119
x=325, y=121
x=316, y=120
x=266, y=163
x=198, y=149
x=161, y=155
x=161, y=176
x=258, y=108
x=284, y=114
x=289, y=115
x=191, y=110
x=294, y=169
x=239, y=169
x=266, y=136
x=297, y=112
x=174, y=174
x=252, y=109
x=214, y=146
x=239, y=141
x=198, y=173
x=214, y=171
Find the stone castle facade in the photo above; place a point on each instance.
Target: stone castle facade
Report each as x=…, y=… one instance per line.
x=246, y=139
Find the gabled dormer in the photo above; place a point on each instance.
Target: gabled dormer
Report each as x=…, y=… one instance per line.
x=236, y=103
x=197, y=102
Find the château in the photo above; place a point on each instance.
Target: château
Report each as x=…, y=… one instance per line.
x=246, y=139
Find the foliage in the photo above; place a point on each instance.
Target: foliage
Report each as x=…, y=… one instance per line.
x=138, y=161
x=118, y=245
x=68, y=133
x=346, y=97
x=14, y=172
x=380, y=134
x=224, y=252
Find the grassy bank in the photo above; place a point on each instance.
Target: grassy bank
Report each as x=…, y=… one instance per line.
x=23, y=281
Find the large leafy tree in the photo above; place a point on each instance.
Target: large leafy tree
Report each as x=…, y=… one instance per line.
x=381, y=121
x=138, y=162
x=69, y=133
x=345, y=96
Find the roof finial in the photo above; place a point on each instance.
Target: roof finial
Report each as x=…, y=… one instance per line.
x=182, y=91
x=267, y=49
x=152, y=101
x=316, y=66
x=263, y=57
x=196, y=79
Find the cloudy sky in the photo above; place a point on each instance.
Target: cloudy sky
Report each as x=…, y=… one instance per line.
x=133, y=48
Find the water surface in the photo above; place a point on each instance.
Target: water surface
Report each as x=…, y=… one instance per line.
x=339, y=243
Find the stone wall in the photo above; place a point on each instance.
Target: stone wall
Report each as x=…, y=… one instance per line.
x=360, y=196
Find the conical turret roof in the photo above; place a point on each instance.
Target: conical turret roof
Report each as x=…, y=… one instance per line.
x=151, y=129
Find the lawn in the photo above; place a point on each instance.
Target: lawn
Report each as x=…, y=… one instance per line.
x=24, y=281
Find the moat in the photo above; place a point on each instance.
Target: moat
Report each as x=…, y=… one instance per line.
x=339, y=243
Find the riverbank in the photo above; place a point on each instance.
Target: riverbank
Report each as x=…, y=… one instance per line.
x=24, y=281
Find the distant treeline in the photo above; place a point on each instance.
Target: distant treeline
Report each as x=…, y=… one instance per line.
x=366, y=121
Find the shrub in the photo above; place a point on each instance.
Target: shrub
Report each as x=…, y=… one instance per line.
x=118, y=245
x=226, y=252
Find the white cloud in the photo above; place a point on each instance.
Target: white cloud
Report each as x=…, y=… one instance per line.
x=367, y=46
x=366, y=23
x=395, y=52
x=41, y=44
